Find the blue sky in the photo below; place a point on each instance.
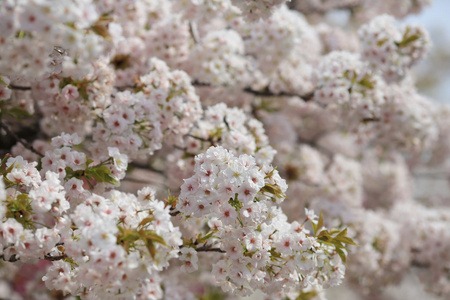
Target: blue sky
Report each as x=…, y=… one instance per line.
x=436, y=19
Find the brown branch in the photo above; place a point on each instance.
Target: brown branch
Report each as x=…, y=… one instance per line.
x=267, y=93
x=368, y=120
x=442, y=175
x=209, y=248
x=19, y=88
x=420, y=265
x=201, y=139
x=122, y=88
x=263, y=93
x=174, y=212
x=194, y=32
x=54, y=258
x=20, y=140
x=15, y=258
x=146, y=167
x=180, y=148
x=12, y=258
x=323, y=8
x=206, y=248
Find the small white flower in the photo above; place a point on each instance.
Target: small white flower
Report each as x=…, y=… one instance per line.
x=120, y=160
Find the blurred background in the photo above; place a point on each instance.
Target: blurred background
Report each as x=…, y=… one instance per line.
x=433, y=80
x=433, y=74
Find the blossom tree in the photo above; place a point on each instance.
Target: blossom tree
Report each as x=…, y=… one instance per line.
x=229, y=102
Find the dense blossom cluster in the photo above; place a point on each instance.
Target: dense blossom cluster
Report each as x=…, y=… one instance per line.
x=101, y=245
x=364, y=9
x=66, y=100
x=218, y=59
x=254, y=10
x=36, y=27
x=390, y=49
x=224, y=103
x=165, y=107
x=342, y=79
x=228, y=127
x=281, y=46
x=265, y=251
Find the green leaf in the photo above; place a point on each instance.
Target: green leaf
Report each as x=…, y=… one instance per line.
x=408, y=40
x=102, y=174
x=149, y=237
x=367, y=82
x=320, y=222
x=314, y=226
x=270, y=174
x=150, y=247
x=89, y=161
x=342, y=233
x=272, y=189
x=16, y=113
x=152, y=235
x=347, y=240
x=206, y=237
x=274, y=255
x=306, y=295
x=342, y=255
x=235, y=202
x=146, y=221
x=2, y=81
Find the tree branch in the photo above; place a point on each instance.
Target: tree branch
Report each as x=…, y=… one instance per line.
x=208, y=248
x=15, y=258
x=267, y=93
x=19, y=88
x=322, y=8
x=194, y=32
x=174, y=212
x=20, y=140
x=263, y=93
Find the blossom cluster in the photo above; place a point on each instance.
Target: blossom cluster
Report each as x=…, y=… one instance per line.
x=120, y=244
x=165, y=107
x=36, y=27
x=364, y=9
x=68, y=99
x=282, y=45
x=227, y=127
x=219, y=60
x=101, y=243
x=264, y=251
x=343, y=79
x=390, y=49
x=254, y=10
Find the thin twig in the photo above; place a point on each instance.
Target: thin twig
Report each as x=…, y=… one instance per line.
x=322, y=9
x=368, y=120
x=208, y=248
x=267, y=93
x=146, y=167
x=174, y=212
x=20, y=140
x=263, y=93
x=14, y=257
x=54, y=258
x=19, y=88
x=432, y=175
x=200, y=138
x=194, y=32
x=420, y=265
